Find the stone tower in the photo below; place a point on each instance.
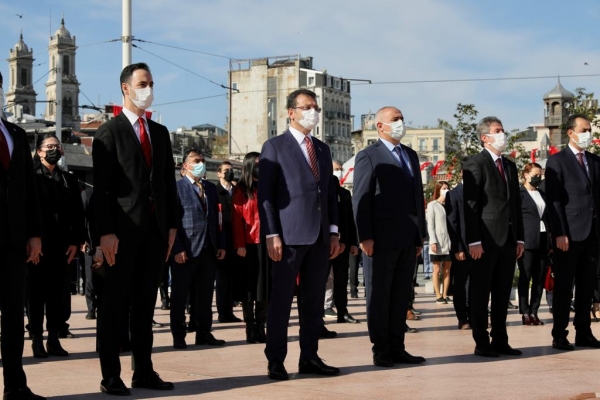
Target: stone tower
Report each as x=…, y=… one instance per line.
x=20, y=88
x=557, y=105
x=62, y=45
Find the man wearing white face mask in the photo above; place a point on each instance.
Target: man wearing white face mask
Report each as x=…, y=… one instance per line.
x=494, y=233
x=136, y=218
x=573, y=195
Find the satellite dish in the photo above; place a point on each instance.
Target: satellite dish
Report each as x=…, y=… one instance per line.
x=567, y=105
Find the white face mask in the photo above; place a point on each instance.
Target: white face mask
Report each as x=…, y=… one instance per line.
x=62, y=164
x=339, y=174
x=310, y=119
x=584, y=139
x=398, y=129
x=443, y=192
x=143, y=97
x=499, y=141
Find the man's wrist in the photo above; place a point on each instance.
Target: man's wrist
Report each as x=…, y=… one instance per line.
x=336, y=234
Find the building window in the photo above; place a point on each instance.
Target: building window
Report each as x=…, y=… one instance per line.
x=234, y=86
x=435, y=158
x=23, y=77
x=66, y=68
x=436, y=144
x=422, y=146
x=311, y=81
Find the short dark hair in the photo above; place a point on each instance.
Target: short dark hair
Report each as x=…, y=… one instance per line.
x=190, y=151
x=223, y=163
x=572, y=121
x=291, y=99
x=128, y=72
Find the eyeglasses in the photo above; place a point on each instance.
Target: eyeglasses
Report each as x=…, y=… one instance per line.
x=52, y=147
x=306, y=108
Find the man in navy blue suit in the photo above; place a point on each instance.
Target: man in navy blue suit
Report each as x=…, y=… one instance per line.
x=389, y=211
x=298, y=217
x=198, y=245
x=573, y=195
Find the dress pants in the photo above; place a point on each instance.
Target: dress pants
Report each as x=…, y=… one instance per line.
x=532, y=268
x=492, y=274
x=340, y=266
x=12, y=288
x=200, y=272
x=131, y=283
x=579, y=263
x=389, y=285
x=224, y=281
x=462, y=271
x=311, y=263
x=90, y=292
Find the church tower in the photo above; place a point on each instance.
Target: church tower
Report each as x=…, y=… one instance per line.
x=557, y=105
x=62, y=46
x=20, y=89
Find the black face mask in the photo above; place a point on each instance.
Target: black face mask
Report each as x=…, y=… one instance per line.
x=228, y=175
x=535, y=181
x=52, y=156
x=255, y=172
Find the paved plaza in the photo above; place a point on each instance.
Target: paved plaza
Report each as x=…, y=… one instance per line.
x=238, y=370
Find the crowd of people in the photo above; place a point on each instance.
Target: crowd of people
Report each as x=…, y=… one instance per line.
x=285, y=228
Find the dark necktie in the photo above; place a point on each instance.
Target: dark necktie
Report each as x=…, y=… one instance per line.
x=145, y=142
x=312, y=157
x=403, y=164
x=501, y=169
x=4, y=152
x=580, y=161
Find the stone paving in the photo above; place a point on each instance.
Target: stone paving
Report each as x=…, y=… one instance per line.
x=238, y=370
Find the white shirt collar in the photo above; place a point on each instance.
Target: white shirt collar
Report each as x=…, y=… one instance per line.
x=388, y=144
x=574, y=150
x=299, y=136
x=132, y=117
x=494, y=155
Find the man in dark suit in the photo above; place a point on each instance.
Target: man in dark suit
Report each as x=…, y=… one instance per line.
x=573, y=195
x=298, y=216
x=461, y=266
x=136, y=220
x=390, y=218
x=198, y=245
x=226, y=269
x=494, y=234
x=20, y=243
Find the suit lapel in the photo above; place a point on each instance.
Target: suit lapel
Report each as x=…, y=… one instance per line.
x=591, y=166
x=126, y=125
x=297, y=154
x=494, y=169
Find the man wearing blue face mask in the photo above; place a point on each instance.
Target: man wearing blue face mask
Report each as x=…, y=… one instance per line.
x=198, y=245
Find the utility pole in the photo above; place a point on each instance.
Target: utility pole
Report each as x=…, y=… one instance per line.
x=59, y=111
x=126, y=38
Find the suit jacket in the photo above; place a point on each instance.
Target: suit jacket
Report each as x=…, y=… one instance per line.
x=389, y=207
x=197, y=225
x=437, y=228
x=20, y=217
x=347, y=226
x=491, y=207
x=225, y=200
x=573, y=198
x=292, y=203
x=128, y=194
x=531, y=219
x=455, y=214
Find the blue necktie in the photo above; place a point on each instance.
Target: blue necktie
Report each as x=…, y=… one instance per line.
x=403, y=161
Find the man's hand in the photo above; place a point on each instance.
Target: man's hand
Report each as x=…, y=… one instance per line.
x=433, y=247
x=241, y=251
x=562, y=242
x=172, y=233
x=334, y=247
x=71, y=253
x=476, y=251
x=180, y=258
x=367, y=247
x=34, y=250
x=274, y=248
x=520, y=249
x=419, y=251
x=221, y=254
x=110, y=246
x=98, y=259
x=353, y=250
x=342, y=248
x=460, y=256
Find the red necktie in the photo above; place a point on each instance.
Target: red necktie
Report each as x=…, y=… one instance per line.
x=145, y=142
x=501, y=169
x=4, y=153
x=312, y=157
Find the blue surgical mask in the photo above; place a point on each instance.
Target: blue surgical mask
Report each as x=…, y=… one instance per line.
x=198, y=170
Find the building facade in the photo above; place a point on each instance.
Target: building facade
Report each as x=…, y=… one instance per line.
x=20, y=97
x=257, y=103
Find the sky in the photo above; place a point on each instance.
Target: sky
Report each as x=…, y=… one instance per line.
x=390, y=42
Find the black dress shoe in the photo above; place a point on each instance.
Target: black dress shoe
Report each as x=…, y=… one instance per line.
x=229, y=320
x=348, y=318
x=408, y=329
x=383, y=360
x=65, y=334
x=511, y=306
x=316, y=366
x=21, y=394
x=90, y=315
x=486, y=351
x=191, y=327
x=587, y=341
x=209, y=339
x=179, y=343
x=114, y=387
x=165, y=306
x=277, y=371
x=157, y=324
x=562, y=344
x=403, y=357
x=506, y=349
x=151, y=381
x=354, y=295
x=327, y=334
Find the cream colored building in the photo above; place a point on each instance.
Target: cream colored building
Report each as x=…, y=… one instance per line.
x=20, y=96
x=257, y=103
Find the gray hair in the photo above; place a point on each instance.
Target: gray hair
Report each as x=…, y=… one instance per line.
x=483, y=126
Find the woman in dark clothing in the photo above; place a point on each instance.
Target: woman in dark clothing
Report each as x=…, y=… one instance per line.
x=250, y=246
x=63, y=234
x=532, y=266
